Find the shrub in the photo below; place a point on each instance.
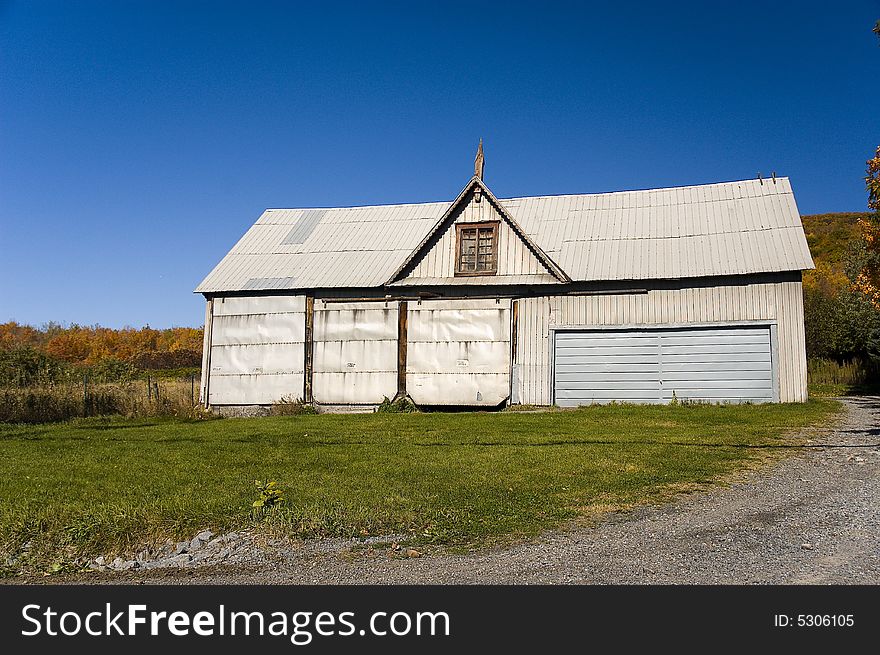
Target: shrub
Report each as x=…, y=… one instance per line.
x=110, y=369
x=167, y=359
x=26, y=366
x=290, y=406
x=400, y=405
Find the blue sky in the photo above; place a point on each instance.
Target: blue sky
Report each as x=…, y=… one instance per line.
x=138, y=141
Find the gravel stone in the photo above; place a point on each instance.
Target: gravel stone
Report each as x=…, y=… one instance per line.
x=178, y=560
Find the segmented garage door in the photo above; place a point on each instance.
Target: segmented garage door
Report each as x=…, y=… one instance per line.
x=647, y=366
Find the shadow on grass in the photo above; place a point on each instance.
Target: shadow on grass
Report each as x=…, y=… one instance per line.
x=609, y=442
x=646, y=442
x=115, y=426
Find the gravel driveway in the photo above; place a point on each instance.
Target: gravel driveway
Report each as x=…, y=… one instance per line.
x=811, y=518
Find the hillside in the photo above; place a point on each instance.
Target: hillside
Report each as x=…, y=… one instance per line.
x=829, y=236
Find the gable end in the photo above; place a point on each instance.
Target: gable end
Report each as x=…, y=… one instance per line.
x=516, y=259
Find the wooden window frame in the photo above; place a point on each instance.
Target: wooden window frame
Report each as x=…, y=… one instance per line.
x=470, y=226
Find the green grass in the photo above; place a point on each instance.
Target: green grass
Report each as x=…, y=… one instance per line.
x=101, y=486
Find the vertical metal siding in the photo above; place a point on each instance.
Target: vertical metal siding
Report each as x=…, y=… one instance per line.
x=792, y=350
x=533, y=357
x=777, y=301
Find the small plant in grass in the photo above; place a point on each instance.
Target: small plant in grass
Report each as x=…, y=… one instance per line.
x=290, y=406
x=271, y=497
x=400, y=405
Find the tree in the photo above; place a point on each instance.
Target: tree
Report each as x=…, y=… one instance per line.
x=872, y=180
x=866, y=273
x=865, y=269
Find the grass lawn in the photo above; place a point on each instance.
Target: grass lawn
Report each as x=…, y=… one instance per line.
x=100, y=486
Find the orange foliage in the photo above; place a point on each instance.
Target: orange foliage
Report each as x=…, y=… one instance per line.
x=79, y=344
x=12, y=334
x=868, y=280
x=872, y=180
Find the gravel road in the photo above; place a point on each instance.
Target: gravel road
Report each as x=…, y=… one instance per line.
x=811, y=518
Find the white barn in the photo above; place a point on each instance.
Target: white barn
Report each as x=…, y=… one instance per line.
x=635, y=296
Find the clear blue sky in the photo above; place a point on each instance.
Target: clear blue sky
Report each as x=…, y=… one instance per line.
x=138, y=141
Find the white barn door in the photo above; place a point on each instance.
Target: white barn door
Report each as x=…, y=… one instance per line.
x=256, y=350
x=355, y=352
x=458, y=352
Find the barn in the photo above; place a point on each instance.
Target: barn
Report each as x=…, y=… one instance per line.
x=689, y=293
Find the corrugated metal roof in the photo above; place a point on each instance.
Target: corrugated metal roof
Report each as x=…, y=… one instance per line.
x=346, y=247
x=728, y=228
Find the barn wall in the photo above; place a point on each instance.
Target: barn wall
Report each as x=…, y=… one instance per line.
x=781, y=302
x=458, y=348
x=257, y=353
x=355, y=352
x=514, y=257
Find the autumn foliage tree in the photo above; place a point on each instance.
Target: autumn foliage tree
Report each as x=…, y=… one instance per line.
x=866, y=273
x=866, y=269
x=99, y=349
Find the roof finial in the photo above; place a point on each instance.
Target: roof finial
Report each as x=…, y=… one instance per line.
x=479, y=161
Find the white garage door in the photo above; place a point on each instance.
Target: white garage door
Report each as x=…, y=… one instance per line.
x=647, y=366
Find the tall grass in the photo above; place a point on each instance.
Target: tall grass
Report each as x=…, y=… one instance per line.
x=852, y=373
x=62, y=402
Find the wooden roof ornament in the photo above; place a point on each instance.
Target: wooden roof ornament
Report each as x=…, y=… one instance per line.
x=478, y=171
x=479, y=161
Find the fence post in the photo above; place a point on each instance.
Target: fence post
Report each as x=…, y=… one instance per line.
x=192, y=390
x=149, y=389
x=85, y=394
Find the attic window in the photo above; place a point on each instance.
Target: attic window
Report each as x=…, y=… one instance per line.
x=476, y=248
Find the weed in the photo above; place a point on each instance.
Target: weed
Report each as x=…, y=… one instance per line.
x=271, y=498
x=290, y=406
x=400, y=405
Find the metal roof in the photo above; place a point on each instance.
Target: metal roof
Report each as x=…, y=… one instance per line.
x=729, y=228
x=345, y=247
